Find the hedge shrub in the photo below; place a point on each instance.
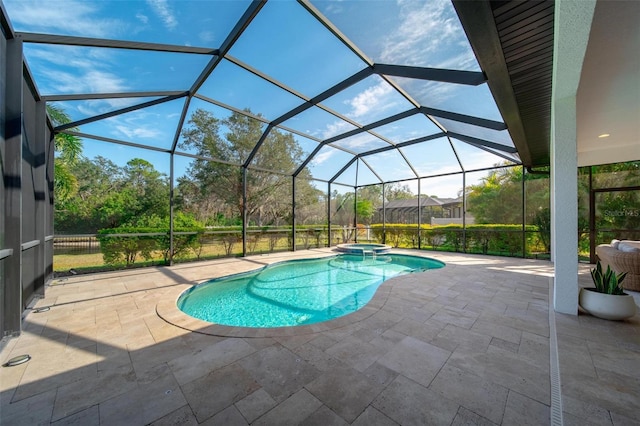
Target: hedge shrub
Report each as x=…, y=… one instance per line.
x=479, y=238
x=126, y=244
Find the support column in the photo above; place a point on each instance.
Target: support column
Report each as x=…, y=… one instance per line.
x=244, y=211
x=171, y=213
x=564, y=206
x=571, y=36
x=49, y=185
x=329, y=214
x=355, y=213
x=384, y=215
x=464, y=211
x=293, y=213
x=39, y=169
x=419, y=213
x=11, y=285
x=524, y=214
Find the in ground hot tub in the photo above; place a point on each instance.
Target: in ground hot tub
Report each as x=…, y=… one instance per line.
x=364, y=248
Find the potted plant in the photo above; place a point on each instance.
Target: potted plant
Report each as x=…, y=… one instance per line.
x=608, y=299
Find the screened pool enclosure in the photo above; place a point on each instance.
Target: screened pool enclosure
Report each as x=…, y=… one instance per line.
x=265, y=125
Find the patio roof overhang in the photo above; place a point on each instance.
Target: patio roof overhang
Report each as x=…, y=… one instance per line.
x=514, y=42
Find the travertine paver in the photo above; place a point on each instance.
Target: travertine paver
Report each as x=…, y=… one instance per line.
x=465, y=344
x=217, y=390
x=323, y=416
x=293, y=411
x=346, y=391
x=524, y=411
x=373, y=417
x=255, y=404
x=479, y=395
x=279, y=371
x=415, y=359
x=409, y=403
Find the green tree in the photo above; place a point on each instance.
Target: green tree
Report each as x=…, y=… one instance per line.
x=220, y=182
x=364, y=211
x=109, y=196
x=487, y=200
x=68, y=151
x=342, y=208
x=397, y=191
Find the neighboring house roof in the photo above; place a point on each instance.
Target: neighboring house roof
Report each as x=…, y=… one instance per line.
x=425, y=201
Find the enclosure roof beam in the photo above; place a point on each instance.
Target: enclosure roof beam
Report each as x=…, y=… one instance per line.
x=499, y=154
x=335, y=31
x=371, y=126
x=463, y=118
x=481, y=142
x=118, y=112
x=113, y=44
x=236, y=32
x=258, y=144
x=232, y=37
x=372, y=170
x=5, y=24
x=349, y=81
x=346, y=166
x=91, y=96
x=401, y=144
x=470, y=78
x=264, y=76
x=116, y=141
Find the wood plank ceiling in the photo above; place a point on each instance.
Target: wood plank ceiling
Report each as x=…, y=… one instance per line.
x=513, y=41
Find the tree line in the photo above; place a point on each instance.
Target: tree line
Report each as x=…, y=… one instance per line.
x=94, y=194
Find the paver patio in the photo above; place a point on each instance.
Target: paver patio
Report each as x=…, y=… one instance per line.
x=466, y=344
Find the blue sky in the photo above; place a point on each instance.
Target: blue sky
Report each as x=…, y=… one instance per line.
x=285, y=42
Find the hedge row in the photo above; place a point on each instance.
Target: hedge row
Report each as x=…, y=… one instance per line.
x=504, y=239
x=125, y=245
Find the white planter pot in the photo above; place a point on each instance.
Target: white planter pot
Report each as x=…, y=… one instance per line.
x=607, y=306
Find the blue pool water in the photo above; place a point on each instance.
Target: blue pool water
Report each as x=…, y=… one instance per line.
x=297, y=292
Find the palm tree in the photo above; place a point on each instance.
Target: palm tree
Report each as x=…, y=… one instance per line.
x=68, y=150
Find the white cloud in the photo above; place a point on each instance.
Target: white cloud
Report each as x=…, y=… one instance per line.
x=84, y=82
x=334, y=7
x=355, y=143
x=103, y=82
x=142, y=18
x=207, y=36
x=425, y=29
x=322, y=157
x=94, y=107
x=137, y=124
x=164, y=12
x=137, y=132
x=67, y=69
x=463, y=61
x=335, y=128
x=373, y=98
x=71, y=17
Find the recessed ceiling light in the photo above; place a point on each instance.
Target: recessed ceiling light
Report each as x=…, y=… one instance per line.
x=604, y=135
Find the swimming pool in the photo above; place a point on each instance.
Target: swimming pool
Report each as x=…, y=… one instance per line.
x=297, y=292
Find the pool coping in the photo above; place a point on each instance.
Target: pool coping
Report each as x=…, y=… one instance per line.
x=168, y=311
